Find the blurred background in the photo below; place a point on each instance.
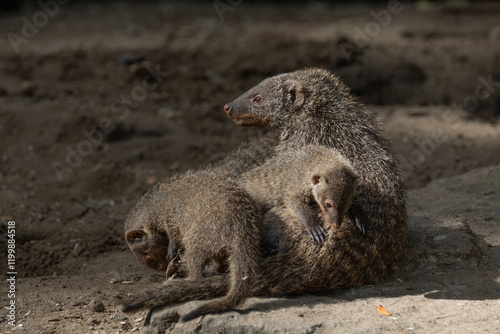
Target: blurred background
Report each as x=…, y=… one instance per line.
x=101, y=99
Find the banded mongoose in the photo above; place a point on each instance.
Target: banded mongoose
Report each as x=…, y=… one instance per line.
x=159, y=251
x=313, y=106
x=210, y=215
x=298, y=177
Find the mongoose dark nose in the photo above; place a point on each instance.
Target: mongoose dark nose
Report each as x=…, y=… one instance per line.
x=227, y=109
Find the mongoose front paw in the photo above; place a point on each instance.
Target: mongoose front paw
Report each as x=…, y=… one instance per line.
x=316, y=232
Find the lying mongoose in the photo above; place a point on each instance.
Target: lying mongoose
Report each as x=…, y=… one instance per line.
x=159, y=251
x=314, y=107
x=297, y=177
x=209, y=215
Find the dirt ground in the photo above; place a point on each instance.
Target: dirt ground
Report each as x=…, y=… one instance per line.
x=100, y=100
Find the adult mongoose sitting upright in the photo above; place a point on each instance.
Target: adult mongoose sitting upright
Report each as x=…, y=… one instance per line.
x=314, y=107
x=297, y=177
x=209, y=215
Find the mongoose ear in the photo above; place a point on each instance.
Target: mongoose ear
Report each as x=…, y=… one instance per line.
x=134, y=235
x=316, y=179
x=296, y=90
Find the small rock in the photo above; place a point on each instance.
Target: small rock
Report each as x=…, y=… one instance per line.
x=79, y=303
x=151, y=180
x=162, y=322
x=97, y=305
x=77, y=249
x=440, y=238
x=19, y=328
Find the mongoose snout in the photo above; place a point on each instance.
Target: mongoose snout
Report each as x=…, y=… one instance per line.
x=238, y=111
x=227, y=109
x=333, y=218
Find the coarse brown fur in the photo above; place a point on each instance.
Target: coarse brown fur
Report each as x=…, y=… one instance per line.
x=208, y=215
x=160, y=249
x=298, y=177
x=247, y=156
x=314, y=107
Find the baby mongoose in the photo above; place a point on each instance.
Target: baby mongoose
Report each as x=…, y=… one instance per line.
x=297, y=177
x=305, y=107
x=209, y=215
x=160, y=251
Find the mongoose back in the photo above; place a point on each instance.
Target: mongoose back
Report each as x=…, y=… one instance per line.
x=314, y=107
x=247, y=156
x=209, y=215
x=296, y=177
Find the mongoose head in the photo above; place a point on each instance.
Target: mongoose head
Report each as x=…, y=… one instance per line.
x=149, y=248
x=256, y=106
x=334, y=193
x=146, y=234
x=284, y=100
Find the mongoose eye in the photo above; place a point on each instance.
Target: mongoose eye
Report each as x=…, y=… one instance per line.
x=328, y=204
x=257, y=99
x=149, y=260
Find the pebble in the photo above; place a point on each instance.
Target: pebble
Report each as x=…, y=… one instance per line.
x=151, y=180
x=97, y=305
x=77, y=249
x=440, y=238
x=79, y=303
x=19, y=328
